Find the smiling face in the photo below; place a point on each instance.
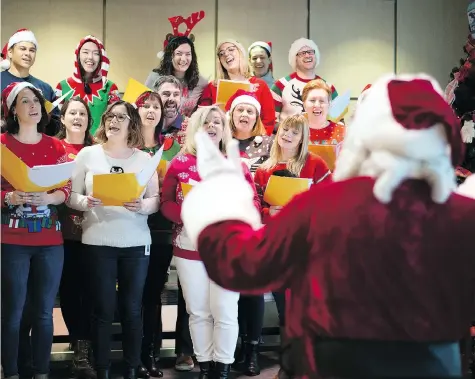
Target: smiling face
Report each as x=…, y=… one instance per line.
x=89, y=57
x=150, y=113
x=259, y=60
x=171, y=98
x=289, y=138
x=23, y=54
x=75, y=119
x=28, y=107
x=317, y=104
x=229, y=57
x=214, y=127
x=117, y=122
x=306, y=59
x=182, y=58
x=244, y=119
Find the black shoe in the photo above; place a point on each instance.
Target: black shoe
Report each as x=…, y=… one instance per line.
x=142, y=372
x=221, y=370
x=251, y=365
x=150, y=360
x=82, y=367
x=103, y=374
x=130, y=373
x=206, y=369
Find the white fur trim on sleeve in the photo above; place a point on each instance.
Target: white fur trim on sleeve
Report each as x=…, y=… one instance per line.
x=220, y=198
x=467, y=188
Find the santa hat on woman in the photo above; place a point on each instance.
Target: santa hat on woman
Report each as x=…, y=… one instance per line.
x=295, y=48
x=21, y=35
x=404, y=129
x=10, y=93
x=242, y=97
x=267, y=46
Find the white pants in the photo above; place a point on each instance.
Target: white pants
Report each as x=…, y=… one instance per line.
x=213, y=313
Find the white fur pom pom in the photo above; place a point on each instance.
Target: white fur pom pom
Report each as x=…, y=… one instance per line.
x=160, y=55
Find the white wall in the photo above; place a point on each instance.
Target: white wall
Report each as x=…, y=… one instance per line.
x=357, y=38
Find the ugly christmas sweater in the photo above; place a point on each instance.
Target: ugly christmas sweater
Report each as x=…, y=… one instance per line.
x=182, y=170
x=26, y=224
x=97, y=93
x=315, y=168
x=262, y=93
x=287, y=94
x=255, y=151
x=332, y=134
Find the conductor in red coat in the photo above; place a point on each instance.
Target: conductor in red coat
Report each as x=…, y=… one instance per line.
x=379, y=263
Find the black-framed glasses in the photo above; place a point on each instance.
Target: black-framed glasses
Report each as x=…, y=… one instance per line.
x=306, y=52
x=120, y=117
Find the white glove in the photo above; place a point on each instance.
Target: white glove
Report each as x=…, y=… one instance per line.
x=223, y=193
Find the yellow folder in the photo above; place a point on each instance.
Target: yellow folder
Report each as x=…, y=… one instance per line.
x=117, y=189
x=50, y=106
x=186, y=187
x=34, y=179
x=133, y=90
x=328, y=153
x=227, y=88
x=280, y=189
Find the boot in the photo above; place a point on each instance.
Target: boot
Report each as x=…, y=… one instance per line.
x=251, y=365
x=82, y=367
x=130, y=373
x=142, y=372
x=240, y=355
x=150, y=360
x=205, y=370
x=103, y=374
x=221, y=370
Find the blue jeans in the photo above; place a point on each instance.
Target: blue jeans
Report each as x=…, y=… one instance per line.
x=128, y=266
x=44, y=265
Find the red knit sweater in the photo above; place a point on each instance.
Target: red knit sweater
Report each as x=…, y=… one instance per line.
x=182, y=170
x=333, y=134
x=315, y=168
x=30, y=225
x=262, y=93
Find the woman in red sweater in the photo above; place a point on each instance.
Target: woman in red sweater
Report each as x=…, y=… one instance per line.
x=76, y=123
x=290, y=156
x=32, y=243
x=213, y=311
x=232, y=64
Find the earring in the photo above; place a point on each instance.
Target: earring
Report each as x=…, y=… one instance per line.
x=14, y=117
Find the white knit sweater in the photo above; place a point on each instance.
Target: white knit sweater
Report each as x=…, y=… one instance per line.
x=112, y=225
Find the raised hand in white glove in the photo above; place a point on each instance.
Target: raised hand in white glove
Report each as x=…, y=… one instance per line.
x=223, y=193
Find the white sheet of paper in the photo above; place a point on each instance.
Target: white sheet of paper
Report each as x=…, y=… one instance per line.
x=147, y=172
x=46, y=176
x=339, y=105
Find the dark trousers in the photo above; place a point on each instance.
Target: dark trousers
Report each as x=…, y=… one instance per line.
x=128, y=266
x=74, y=291
x=279, y=298
x=251, y=316
x=42, y=265
x=183, y=343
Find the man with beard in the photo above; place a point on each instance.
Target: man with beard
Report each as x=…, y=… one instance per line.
x=304, y=57
x=174, y=124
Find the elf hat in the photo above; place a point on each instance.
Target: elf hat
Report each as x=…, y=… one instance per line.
x=242, y=97
x=5, y=63
x=297, y=45
x=267, y=46
x=22, y=35
x=403, y=129
x=10, y=93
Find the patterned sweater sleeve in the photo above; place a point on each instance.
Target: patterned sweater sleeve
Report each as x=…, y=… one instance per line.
x=276, y=92
x=62, y=158
x=168, y=203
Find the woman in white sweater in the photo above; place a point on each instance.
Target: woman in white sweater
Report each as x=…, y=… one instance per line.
x=117, y=238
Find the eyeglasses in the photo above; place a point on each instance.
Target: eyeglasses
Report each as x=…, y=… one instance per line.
x=306, y=52
x=230, y=50
x=120, y=117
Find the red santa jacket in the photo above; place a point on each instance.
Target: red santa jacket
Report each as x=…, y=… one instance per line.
x=356, y=268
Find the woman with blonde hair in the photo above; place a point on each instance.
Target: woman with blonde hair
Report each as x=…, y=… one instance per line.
x=232, y=64
x=316, y=97
x=116, y=238
x=213, y=311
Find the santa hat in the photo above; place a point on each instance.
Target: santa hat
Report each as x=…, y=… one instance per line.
x=22, y=35
x=242, y=97
x=404, y=129
x=5, y=63
x=141, y=99
x=267, y=46
x=10, y=93
x=363, y=94
x=297, y=45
